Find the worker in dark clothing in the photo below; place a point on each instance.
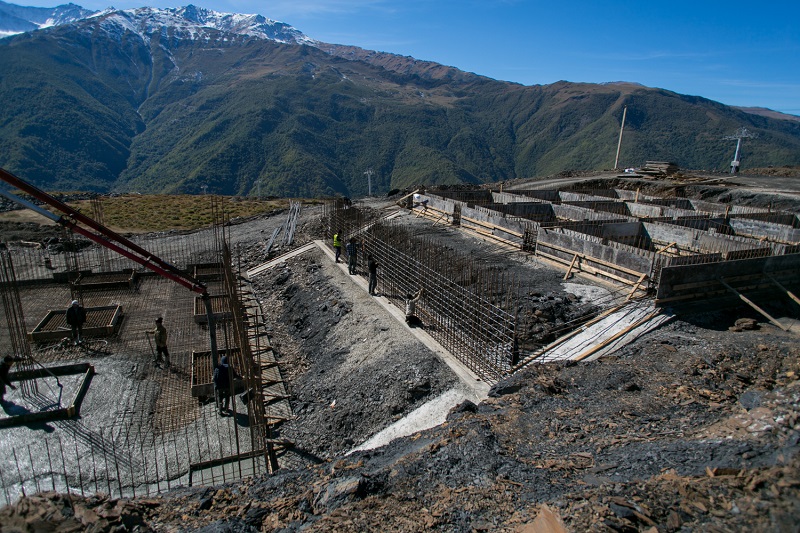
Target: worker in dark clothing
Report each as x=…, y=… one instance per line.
x=372, y=267
x=76, y=318
x=223, y=382
x=352, y=255
x=160, y=336
x=5, y=367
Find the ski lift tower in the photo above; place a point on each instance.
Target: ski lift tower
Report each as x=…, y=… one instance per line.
x=740, y=134
x=369, y=174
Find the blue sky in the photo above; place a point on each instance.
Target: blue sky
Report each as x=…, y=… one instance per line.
x=735, y=52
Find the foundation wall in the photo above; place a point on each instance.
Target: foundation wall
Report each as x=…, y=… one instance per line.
x=617, y=208
x=564, y=245
x=784, y=219
x=768, y=230
x=701, y=282
x=674, y=203
x=550, y=196
x=574, y=212
x=645, y=210
x=511, y=229
x=722, y=209
x=694, y=239
x=441, y=204
x=594, y=233
x=539, y=212
x=467, y=197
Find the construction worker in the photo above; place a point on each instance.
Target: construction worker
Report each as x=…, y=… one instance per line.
x=5, y=367
x=337, y=244
x=411, y=309
x=352, y=255
x=160, y=337
x=76, y=318
x=372, y=267
x=224, y=376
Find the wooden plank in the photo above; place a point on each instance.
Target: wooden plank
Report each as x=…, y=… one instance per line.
x=590, y=258
x=636, y=287
x=584, y=267
x=492, y=226
x=281, y=258
x=753, y=305
x=561, y=340
x=444, y=216
x=572, y=264
x=407, y=195
x=664, y=248
x=515, y=245
x=787, y=291
x=614, y=337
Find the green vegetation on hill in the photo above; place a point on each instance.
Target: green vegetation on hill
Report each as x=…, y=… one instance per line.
x=136, y=213
x=84, y=111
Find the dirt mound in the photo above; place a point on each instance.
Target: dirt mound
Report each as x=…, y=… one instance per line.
x=691, y=428
x=351, y=369
x=783, y=172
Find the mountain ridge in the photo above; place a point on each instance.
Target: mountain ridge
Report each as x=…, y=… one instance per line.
x=18, y=19
x=165, y=101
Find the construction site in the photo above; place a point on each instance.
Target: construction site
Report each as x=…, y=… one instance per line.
x=514, y=278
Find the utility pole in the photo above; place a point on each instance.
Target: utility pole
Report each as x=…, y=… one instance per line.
x=369, y=174
x=740, y=134
x=619, y=143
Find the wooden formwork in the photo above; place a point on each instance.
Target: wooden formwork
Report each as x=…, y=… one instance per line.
x=105, y=280
x=207, y=271
x=220, y=308
x=102, y=321
x=203, y=373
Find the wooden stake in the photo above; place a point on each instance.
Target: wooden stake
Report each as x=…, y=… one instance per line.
x=753, y=305
x=665, y=248
x=787, y=291
x=569, y=270
x=636, y=287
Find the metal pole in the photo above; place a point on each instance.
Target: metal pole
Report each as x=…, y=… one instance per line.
x=735, y=162
x=212, y=329
x=619, y=143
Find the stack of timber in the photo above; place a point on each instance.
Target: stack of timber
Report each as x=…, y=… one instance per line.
x=659, y=168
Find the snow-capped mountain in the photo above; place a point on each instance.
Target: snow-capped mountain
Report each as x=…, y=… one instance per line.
x=19, y=19
x=189, y=22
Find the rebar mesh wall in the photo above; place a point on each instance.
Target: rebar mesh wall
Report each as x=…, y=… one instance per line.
x=464, y=307
x=162, y=437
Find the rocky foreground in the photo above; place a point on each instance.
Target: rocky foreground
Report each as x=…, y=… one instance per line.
x=691, y=428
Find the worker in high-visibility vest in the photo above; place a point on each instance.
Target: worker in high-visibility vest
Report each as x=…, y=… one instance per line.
x=337, y=244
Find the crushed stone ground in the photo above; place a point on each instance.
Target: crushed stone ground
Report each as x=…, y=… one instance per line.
x=692, y=427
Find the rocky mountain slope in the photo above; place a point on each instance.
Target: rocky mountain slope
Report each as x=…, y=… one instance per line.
x=18, y=19
x=174, y=100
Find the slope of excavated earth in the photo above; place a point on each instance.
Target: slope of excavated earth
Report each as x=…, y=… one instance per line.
x=350, y=368
x=692, y=427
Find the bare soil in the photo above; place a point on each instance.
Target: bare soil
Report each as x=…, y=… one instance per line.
x=692, y=427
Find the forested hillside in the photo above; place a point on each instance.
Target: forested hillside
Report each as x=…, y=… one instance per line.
x=95, y=106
